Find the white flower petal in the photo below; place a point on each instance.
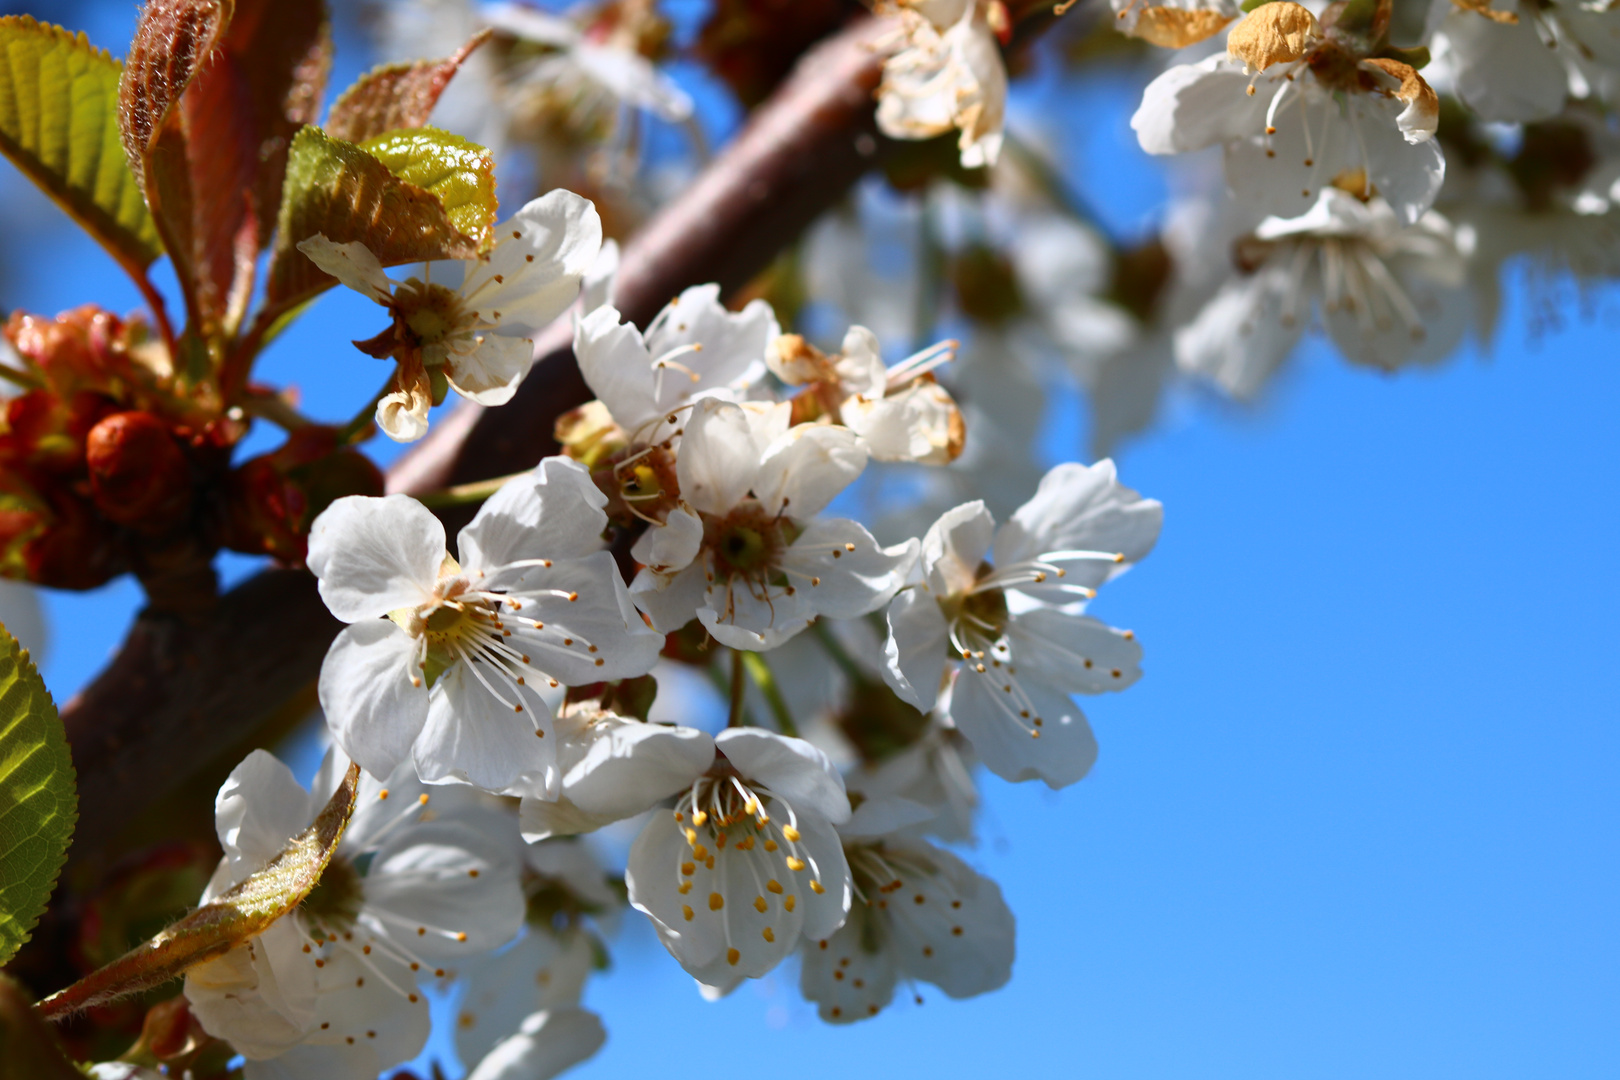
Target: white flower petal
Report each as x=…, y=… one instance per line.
x=472, y=737
x=670, y=601
x=375, y=555
x=806, y=469
x=629, y=766
x=1084, y=508
x=258, y=809
x=540, y=256
x=670, y=547
x=617, y=367
x=544, y=970
x=855, y=575
x=609, y=639
x=955, y=546
x=791, y=768
x=961, y=937
x=1073, y=653
x=448, y=877
x=372, y=710
x=491, y=372
x=989, y=715
x=353, y=264
x=844, y=974
x=720, y=457
x=917, y=648
x=1192, y=106
x=554, y=512
x=548, y=1043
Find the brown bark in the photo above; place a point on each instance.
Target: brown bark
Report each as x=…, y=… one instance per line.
x=181, y=693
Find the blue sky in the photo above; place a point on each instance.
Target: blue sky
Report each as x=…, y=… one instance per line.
x=1358, y=819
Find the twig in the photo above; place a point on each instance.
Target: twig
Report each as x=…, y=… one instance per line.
x=760, y=672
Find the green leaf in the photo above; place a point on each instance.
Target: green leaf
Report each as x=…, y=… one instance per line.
x=337, y=189
x=59, y=125
x=395, y=96
x=214, y=929
x=38, y=800
x=460, y=173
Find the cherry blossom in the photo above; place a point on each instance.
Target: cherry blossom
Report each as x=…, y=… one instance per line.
x=745, y=553
x=747, y=861
x=1001, y=607
x=901, y=413
x=469, y=330
x=1389, y=295
x=920, y=913
x=449, y=662
x=1297, y=107
x=948, y=74
x=331, y=989
x=694, y=348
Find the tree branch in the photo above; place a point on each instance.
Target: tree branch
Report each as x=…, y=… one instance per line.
x=182, y=692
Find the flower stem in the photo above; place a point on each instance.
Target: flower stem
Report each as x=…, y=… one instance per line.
x=760, y=672
x=465, y=494
x=736, y=718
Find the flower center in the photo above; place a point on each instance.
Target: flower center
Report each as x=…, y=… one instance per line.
x=336, y=899
x=723, y=810
x=430, y=312
x=747, y=542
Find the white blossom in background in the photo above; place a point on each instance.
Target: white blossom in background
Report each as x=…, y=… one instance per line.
x=472, y=327
x=901, y=413
x=948, y=75
x=745, y=553
x=331, y=989
x=1175, y=24
x=747, y=861
x=1299, y=108
x=1389, y=295
x=920, y=913
x=1001, y=608
x=1516, y=62
x=597, y=62
x=520, y=1014
x=935, y=772
x=547, y=1043
x=449, y=663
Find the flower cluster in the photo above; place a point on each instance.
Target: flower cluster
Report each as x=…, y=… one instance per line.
x=497, y=698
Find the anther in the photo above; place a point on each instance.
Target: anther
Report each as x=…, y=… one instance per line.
x=716, y=901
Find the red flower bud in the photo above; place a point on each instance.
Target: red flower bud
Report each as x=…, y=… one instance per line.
x=138, y=473
x=274, y=498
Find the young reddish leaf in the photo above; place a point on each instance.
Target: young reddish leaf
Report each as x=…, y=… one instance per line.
x=59, y=125
x=395, y=96
x=214, y=929
x=339, y=190
x=171, y=40
x=213, y=165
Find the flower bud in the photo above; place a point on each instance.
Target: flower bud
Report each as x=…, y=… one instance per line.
x=273, y=498
x=139, y=475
